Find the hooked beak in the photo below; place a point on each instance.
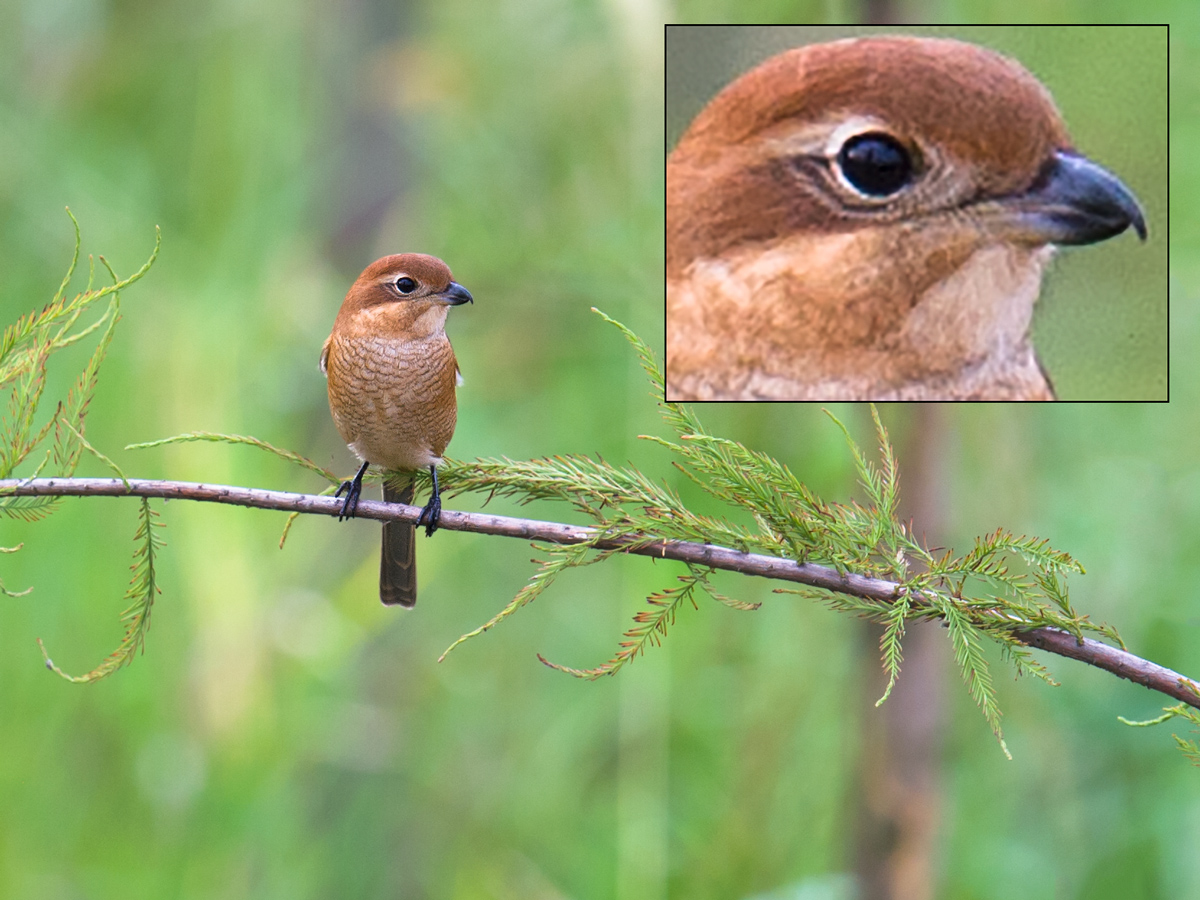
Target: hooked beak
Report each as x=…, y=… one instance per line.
x=1074, y=201
x=456, y=295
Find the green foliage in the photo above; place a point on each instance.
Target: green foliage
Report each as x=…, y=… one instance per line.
x=650, y=626
x=25, y=350
x=213, y=437
x=1190, y=747
x=980, y=596
x=143, y=588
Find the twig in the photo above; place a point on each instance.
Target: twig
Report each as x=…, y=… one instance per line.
x=1093, y=652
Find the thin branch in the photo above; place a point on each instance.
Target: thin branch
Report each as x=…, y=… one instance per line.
x=1094, y=653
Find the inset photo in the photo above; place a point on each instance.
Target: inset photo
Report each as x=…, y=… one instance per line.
x=924, y=213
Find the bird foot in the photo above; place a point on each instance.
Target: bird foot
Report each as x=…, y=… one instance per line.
x=433, y=512
x=353, y=489
x=433, y=509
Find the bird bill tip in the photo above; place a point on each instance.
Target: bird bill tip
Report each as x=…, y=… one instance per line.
x=1076, y=201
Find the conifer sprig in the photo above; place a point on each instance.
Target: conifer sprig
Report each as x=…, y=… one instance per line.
x=980, y=596
x=143, y=589
x=25, y=350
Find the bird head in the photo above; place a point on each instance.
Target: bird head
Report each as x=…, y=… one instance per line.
x=405, y=294
x=869, y=219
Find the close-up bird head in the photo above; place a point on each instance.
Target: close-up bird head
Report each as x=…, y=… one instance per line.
x=410, y=292
x=870, y=219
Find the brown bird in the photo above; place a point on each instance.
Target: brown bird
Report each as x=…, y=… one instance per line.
x=392, y=375
x=869, y=220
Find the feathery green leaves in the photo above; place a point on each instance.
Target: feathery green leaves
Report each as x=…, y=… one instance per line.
x=214, y=437
x=1189, y=747
x=26, y=348
x=143, y=588
x=1004, y=584
x=649, y=626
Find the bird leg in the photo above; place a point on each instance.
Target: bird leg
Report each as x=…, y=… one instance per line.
x=432, y=509
x=353, y=489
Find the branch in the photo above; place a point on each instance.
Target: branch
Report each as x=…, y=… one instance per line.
x=1052, y=640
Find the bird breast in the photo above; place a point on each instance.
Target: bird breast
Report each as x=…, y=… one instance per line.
x=794, y=321
x=393, y=399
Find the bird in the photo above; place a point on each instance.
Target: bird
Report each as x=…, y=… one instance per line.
x=870, y=219
x=392, y=376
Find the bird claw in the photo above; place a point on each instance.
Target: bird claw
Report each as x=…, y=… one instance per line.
x=432, y=510
x=353, y=489
x=350, y=506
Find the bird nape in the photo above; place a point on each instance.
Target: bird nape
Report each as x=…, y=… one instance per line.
x=870, y=219
x=392, y=377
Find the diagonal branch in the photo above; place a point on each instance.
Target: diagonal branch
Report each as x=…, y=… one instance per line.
x=1093, y=652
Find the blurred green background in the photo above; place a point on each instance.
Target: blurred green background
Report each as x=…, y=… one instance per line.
x=285, y=736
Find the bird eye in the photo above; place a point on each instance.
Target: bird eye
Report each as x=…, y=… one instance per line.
x=405, y=285
x=875, y=164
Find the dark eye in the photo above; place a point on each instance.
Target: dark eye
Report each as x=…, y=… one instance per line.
x=875, y=164
x=405, y=285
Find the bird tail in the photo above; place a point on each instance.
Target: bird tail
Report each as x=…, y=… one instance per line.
x=398, y=561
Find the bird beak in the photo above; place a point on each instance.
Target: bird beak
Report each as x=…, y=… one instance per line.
x=1074, y=201
x=456, y=295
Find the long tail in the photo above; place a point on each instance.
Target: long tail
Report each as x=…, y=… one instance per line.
x=398, y=561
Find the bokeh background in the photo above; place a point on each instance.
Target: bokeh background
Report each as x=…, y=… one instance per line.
x=283, y=735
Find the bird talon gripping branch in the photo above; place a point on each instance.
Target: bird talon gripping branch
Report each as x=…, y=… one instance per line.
x=433, y=509
x=431, y=515
x=353, y=489
x=392, y=375
x=869, y=219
